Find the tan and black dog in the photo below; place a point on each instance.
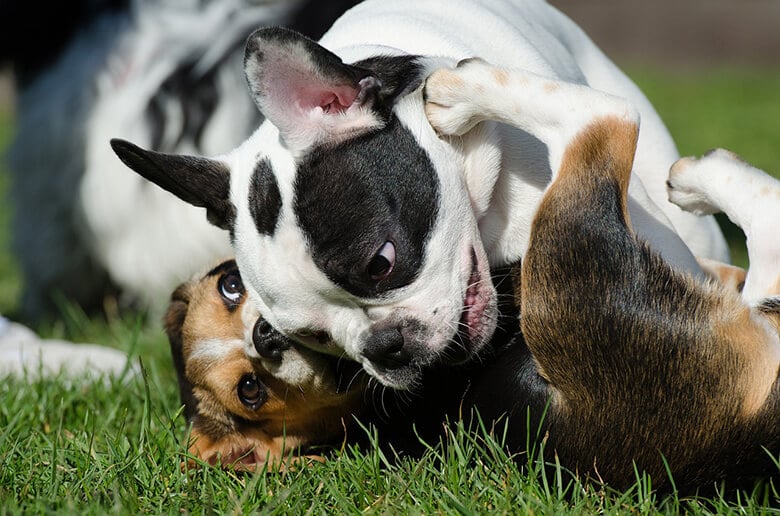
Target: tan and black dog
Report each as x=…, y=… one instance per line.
x=252, y=397
x=641, y=367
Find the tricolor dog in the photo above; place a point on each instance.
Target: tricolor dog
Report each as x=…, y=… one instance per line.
x=356, y=226
x=252, y=399
x=644, y=367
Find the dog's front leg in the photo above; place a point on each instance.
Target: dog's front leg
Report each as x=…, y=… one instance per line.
x=553, y=111
x=556, y=113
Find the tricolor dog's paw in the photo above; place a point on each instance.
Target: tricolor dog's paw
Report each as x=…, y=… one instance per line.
x=452, y=97
x=693, y=181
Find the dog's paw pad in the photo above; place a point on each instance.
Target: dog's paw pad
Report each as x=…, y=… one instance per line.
x=688, y=185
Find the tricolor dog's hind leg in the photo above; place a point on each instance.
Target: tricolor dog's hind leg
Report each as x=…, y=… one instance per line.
x=722, y=182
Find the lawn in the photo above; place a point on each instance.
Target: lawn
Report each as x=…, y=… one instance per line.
x=116, y=446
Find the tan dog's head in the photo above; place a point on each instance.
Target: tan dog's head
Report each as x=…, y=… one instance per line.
x=252, y=396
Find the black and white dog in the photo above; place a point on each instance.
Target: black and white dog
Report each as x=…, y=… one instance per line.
x=356, y=226
x=165, y=73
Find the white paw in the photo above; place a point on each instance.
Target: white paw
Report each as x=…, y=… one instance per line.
x=452, y=97
x=692, y=181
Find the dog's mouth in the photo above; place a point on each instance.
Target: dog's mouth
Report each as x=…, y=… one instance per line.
x=477, y=320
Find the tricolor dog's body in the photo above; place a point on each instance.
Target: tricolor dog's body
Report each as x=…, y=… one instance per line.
x=251, y=398
x=355, y=226
x=645, y=368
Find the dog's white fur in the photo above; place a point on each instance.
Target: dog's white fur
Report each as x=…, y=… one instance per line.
x=722, y=182
x=126, y=233
x=25, y=354
x=505, y=170
x=536, y=37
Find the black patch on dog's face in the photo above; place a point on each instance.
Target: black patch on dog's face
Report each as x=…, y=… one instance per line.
x=381, y=186
x=352, y=198
x=265, y=201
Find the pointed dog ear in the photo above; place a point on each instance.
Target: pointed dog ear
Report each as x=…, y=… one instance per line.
x=174, y=328
x=202, y=182
x=306, y=91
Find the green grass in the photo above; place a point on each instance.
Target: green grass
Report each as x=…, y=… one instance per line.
x=117, y=447
x=97, y=447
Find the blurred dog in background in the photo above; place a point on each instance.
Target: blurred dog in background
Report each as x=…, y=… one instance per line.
x=166, y=73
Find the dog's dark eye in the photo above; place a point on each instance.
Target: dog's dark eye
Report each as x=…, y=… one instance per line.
x=381, y=265
x=250, y=391
x=231, y=288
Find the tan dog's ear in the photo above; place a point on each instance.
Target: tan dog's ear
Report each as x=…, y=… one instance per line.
x=174, y=321
x=252, y=450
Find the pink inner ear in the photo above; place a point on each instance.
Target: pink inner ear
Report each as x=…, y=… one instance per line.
x=337, y=100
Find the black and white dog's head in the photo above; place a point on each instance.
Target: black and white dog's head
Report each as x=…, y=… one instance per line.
x=351, y=220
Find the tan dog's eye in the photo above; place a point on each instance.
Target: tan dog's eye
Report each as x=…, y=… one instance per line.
x=231, y=288
x=251, y=392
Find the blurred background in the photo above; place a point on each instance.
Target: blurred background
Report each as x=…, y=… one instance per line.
x=711, y=68
x=682, y=34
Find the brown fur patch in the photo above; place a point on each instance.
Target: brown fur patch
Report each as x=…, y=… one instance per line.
x=739, y=326
x=250, y=450
x=287, y=410
x=606, y=146
x=450, y=80
x=210, y=346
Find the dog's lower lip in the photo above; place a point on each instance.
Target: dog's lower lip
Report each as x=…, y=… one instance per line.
x=474, y=306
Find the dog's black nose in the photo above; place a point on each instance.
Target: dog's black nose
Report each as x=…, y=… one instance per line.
x=268, y=342
x=386, y=349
